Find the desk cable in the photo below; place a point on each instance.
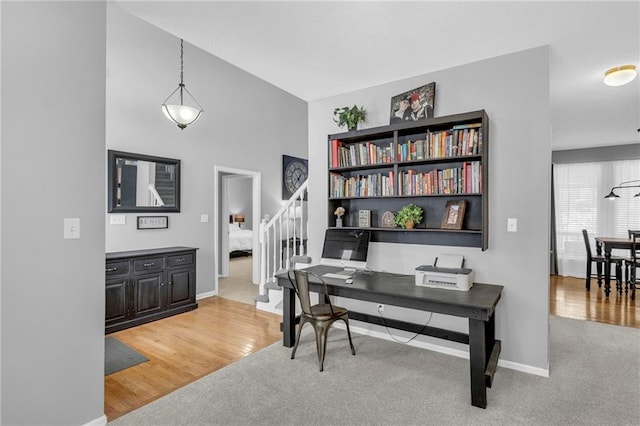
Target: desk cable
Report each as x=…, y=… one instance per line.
x=384, y=320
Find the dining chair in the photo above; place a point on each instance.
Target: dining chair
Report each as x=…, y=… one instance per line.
x=628, y=261
x=321, y=316
x=599, y=261
x=634, y=280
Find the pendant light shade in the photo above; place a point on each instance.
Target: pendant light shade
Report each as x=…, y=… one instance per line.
x=176, y=110
x=619, y=76
x=182, y=115
x=629, y=184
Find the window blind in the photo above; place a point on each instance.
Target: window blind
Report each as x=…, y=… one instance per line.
x=579, y=191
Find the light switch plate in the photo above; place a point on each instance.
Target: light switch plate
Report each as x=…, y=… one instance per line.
x=204, y=218
x=71, y=228
x=512, y=224
x=118, y=219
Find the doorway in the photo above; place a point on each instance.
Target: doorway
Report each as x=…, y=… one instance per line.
x=241, y=211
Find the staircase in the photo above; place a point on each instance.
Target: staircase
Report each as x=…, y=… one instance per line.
x=282, y=237
x=165, y=184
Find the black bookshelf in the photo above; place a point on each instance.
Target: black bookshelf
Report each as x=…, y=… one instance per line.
x=372, y=155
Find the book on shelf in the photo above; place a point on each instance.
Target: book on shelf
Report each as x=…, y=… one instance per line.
x=364, y=218
x=455, y=180
x=359, y=154
x=372, y=185
x=459, y=141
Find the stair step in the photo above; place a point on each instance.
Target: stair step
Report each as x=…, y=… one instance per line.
x=272, y=286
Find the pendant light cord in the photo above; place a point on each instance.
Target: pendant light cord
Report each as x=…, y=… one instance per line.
x=181, y=69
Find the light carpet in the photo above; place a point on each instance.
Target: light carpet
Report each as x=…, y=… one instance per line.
x=594, y=380
x=238, y=286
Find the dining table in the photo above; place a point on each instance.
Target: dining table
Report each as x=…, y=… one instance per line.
x=607, y=244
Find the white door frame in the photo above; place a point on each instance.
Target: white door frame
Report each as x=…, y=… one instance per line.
x=219, y=172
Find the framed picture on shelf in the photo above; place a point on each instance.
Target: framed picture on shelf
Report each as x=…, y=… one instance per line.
x=364, y=218
x=414, y=105
x=388, y=220
x=453, y=214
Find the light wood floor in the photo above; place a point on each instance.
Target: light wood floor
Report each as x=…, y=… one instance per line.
x=186, y=347
x=568, y=298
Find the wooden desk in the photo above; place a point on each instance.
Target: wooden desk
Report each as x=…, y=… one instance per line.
x=610, y=243
x=478, y=305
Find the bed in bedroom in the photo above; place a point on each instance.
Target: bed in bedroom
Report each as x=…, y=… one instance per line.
x=240, y=241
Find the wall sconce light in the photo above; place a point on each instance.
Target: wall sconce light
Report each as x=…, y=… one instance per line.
x=239, y=219
x=619, y=76
x=612, y=195
x=181, y=114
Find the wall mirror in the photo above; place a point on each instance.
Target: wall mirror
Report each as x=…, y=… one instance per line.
x=143, y=183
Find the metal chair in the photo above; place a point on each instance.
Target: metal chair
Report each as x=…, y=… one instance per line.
x=320, y=316
x=599, y=261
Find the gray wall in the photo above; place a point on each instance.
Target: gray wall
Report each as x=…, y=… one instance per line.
x=53, y=109
x=240, y=199
x=605, y=153
x=247, y=124
x=519, y=181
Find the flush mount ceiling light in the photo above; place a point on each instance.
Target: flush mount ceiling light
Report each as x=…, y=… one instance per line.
x=618, y=76
x=179, y=113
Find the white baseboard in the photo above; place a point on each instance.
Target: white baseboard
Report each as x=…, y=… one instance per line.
x=205, y=295
x=100, y=421
x=537, y=371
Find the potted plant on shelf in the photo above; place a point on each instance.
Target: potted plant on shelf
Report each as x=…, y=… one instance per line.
x=408, y=216
x=349, y=116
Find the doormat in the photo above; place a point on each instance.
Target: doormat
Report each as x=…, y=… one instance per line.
x=118, y=356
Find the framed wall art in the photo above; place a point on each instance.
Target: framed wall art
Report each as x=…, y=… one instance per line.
x=414, y=105
x=453, y=214
x=153, y=222
x=294, y=173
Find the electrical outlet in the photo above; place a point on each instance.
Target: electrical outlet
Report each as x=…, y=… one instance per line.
x=380, y=307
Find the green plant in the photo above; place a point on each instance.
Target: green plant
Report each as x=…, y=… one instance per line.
x=349, y=116
x=410, y=212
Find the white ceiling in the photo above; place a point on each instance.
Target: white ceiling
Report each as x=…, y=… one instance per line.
x=315, y=50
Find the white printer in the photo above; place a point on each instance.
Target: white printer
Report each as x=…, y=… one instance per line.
x=447, y=272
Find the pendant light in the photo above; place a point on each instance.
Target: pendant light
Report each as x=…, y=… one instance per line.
x=612, y=195
x=179, y=113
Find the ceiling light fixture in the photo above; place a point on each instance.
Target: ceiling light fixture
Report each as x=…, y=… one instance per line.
x=612, y=195
x=618, y=76
x=181, y=114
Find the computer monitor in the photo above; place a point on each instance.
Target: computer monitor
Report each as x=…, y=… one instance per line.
x=346, y=248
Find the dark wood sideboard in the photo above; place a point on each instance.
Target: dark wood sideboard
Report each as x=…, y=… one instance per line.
x=147, y=285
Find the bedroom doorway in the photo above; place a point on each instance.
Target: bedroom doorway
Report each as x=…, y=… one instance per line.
x=236, y=224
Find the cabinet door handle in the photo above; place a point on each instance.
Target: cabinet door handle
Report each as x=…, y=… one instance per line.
x=148, y=264
x=161, y=284
x=170, y=282
x=180, y=260
x=112, y=269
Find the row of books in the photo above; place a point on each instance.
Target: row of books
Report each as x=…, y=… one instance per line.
x=359, y=154
x=460, y=140
x=373, y=185
x=457, y=180
x=456, y=142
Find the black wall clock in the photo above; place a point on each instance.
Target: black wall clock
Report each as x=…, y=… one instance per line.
x=294, y=173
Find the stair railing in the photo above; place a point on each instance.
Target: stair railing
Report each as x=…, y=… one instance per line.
x=157, y=199
x=283, y=236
